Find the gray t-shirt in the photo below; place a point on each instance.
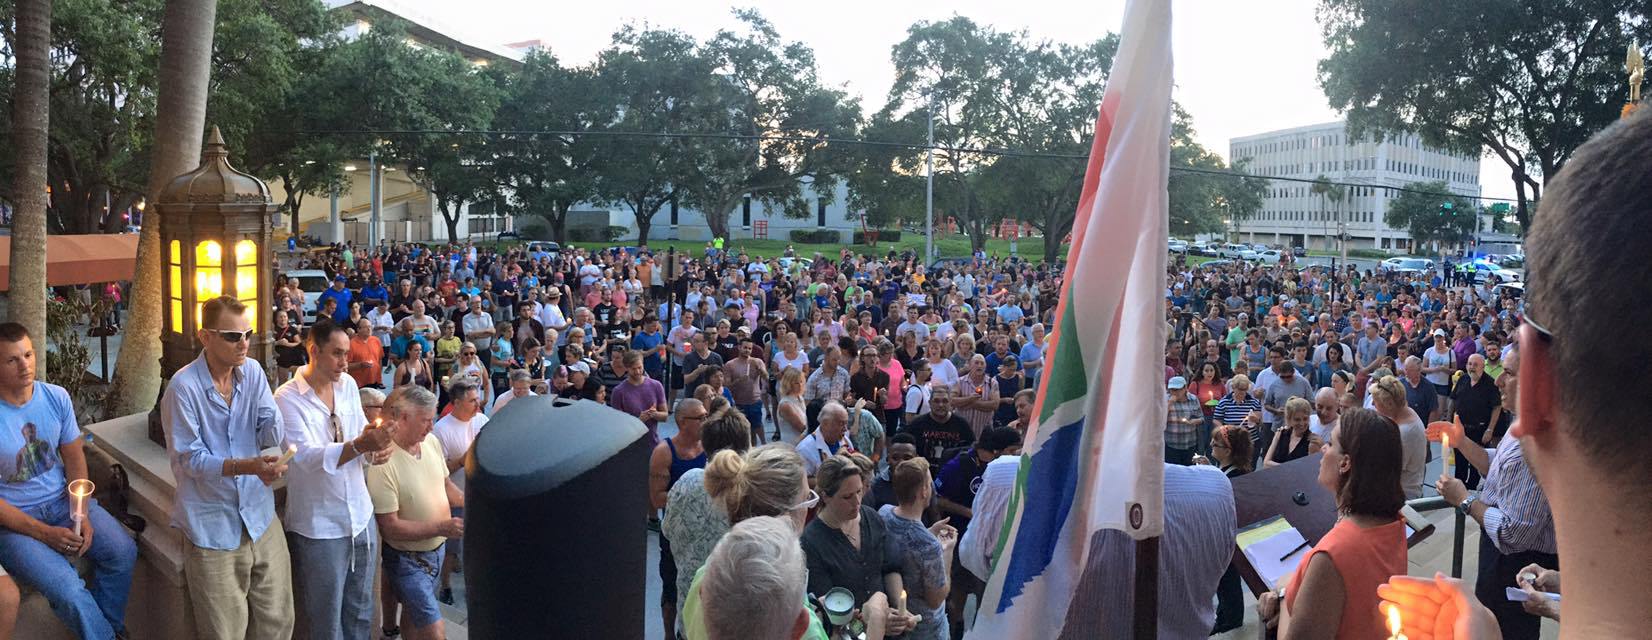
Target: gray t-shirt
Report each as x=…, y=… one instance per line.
x=1279, y=391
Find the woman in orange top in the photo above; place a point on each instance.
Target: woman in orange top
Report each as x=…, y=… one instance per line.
x=1333, y=593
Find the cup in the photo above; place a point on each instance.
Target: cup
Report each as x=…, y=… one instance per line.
x=80, y=496
x=840, y=606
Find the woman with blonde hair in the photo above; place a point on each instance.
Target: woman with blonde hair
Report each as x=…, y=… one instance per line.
x=790, y=412
x=847, y=545
x=1295, y=440
x=1388, y=398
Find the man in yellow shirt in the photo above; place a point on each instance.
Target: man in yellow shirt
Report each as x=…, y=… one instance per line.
x=413, y=501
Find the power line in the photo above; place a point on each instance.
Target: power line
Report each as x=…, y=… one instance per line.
x=991, y=151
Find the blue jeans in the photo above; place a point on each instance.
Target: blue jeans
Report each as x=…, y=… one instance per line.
x=333, y=584
x=95, y=610
x=413, y=577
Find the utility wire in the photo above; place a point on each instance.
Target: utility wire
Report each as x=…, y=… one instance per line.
x=991, y=151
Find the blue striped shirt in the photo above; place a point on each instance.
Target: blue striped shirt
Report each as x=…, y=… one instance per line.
x=1517, y=516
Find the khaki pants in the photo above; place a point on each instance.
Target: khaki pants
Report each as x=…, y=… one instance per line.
x=244, y=593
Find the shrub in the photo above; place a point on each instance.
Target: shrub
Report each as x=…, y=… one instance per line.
x=816, y=236
x=884, y=235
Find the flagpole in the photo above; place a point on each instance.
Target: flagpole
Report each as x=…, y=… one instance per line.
x=1147, y=589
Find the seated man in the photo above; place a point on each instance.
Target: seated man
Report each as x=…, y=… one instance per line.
x=40, y=452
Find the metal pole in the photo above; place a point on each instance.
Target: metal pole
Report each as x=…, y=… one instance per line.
x=1457, y=548
x=373, y=228
x=929, y=187
x=670, y=279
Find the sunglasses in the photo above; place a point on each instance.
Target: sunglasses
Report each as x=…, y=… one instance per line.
x=814, y=499
x=233, y=337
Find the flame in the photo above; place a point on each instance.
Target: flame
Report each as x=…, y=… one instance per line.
x=1394, y=622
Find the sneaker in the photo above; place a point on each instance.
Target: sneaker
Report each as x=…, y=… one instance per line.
x=391, y=632
x=445, y=597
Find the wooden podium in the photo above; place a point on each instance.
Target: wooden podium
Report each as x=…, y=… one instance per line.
x=1290, y=490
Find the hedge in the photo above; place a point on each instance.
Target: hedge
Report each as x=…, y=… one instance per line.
x=816, y=236
x=884, y=235
x=596, y=234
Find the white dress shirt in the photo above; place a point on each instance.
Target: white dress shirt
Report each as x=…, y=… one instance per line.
x=324, y=500
x=980, y=540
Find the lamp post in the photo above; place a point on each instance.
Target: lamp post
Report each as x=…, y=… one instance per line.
x=215, y=237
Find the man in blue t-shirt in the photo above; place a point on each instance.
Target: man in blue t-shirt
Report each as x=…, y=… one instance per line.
x=40, y=453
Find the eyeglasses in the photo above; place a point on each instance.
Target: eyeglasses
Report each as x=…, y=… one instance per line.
x=231, y=336
x=338, y=428
x=814, y=499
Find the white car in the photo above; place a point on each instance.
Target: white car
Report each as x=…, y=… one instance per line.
x=1249, y=255
x=1231, y=251
x=312, y=282
x=1178, y=246
x=1406, y=265
x=1271, y=256
x=1486, y=269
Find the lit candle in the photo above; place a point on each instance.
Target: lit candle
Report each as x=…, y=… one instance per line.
x=288, y=456
x=1450, y=453
x=903, y=601
x=79, y=493
x=1394, y=623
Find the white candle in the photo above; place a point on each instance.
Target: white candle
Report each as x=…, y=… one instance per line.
x=80, y=493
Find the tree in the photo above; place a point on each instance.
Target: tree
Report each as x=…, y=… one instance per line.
x=1433, y=215
x=955, y=72
x=1331, y=194
x=547, y=174
x=767, y=93
x=30, y=120
x=1528, y=79
x=655, y=79
x=1205, y=192
x=180, y=121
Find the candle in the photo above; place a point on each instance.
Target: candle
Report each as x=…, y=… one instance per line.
x=1450, y=453
x=1394, y=623
x=903, y=601
x=288, y=456
x=80, y=491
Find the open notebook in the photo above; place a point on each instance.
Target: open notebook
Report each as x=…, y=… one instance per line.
x=1275, y=548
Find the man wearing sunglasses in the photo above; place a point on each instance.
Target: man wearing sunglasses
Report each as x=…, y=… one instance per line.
x=219, y=414
x=330, y=531
x=40, y=453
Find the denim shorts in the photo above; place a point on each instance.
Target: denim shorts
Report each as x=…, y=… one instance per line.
x=413, y=575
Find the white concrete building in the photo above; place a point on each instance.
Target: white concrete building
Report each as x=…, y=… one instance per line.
x=752, y=219
x=1292, y=215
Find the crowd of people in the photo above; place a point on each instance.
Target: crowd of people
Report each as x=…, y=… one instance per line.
x=848, y=427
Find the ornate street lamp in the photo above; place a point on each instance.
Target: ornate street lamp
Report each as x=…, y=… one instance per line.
x=215, y=236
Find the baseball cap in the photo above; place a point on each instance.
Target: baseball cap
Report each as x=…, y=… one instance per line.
x=1441, y=333
x=1178, y=382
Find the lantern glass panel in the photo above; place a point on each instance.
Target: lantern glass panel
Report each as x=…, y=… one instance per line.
x=209, y=274
x=175, y=285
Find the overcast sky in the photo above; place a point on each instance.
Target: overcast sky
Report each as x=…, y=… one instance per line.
x=1242, y=67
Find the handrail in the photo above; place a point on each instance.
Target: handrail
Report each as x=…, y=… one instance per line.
x=1435, y=503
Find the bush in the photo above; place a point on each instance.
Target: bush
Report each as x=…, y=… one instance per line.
x=1375, y=254
x=884, y=235
x=816, y=236
x=596, y=234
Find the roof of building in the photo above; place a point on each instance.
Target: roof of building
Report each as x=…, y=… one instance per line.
x=427, y=29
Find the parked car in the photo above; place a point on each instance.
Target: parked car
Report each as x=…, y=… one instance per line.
x=1231, y=251
x=1513, y=262
x=1178, y=246
x=545, y=248
x=1486, y=269
x=509, y=235
x=312, y=282
x=1249, y=255
x=1259, y=247
x=1299, y=252
x=1204, y=248
x=1516, y=290
x=1406, y=265
x=1271, y=256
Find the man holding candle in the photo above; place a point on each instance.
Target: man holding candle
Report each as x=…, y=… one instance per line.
x=330, y=531
x=40, y=454
x=218, y=414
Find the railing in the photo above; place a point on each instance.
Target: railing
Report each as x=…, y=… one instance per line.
x=1435, y=503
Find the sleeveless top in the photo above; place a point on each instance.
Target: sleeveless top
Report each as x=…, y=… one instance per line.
x=679, y=466
x=1365, y=558
x=788, y=434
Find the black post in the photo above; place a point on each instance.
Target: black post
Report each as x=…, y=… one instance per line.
x=103, y=342
x=1457, y=548
x=1147, y=589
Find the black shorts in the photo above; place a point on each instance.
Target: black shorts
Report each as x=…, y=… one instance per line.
x=668, y=574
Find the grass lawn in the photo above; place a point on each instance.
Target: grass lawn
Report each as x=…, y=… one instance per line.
x=949, y=246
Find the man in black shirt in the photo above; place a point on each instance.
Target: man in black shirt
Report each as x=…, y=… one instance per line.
x=869, y=382
x=1477, y=402
x=940, y=430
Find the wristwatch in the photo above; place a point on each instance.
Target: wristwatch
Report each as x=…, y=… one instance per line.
x=1463, y=507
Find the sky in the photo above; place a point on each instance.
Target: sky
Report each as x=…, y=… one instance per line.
x=1242, y=66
